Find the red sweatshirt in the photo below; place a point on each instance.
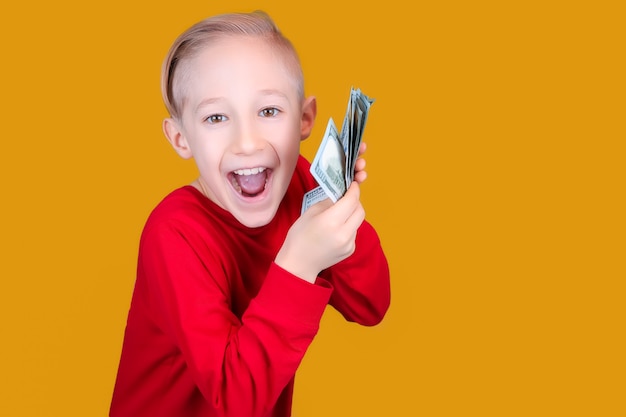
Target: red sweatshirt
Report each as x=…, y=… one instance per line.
x=215, y=327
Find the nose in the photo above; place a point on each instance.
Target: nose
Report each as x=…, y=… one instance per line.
x=248, y=139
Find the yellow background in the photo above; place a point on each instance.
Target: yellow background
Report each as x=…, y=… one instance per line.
x=496, y=163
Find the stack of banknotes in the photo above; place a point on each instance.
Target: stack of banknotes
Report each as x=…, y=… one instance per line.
x=334, y=162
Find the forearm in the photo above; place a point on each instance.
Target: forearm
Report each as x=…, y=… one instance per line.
x=361, y=282
x=241, y=367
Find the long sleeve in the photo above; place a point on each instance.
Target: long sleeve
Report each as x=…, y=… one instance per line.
x=240, y=366
x=215, y=327
x=361, y=282
x=361, y=286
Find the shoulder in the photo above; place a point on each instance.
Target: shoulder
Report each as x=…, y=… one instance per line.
x=181, y=204
x=185, y=222
x=185, y=211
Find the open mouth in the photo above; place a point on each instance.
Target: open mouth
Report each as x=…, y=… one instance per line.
x=250, y=182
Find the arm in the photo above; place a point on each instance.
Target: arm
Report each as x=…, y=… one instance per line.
x=240, y=366
x=361, y=282
x=334, y=242
x=362, y=288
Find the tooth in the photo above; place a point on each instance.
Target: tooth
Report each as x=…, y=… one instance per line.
x=249, y=171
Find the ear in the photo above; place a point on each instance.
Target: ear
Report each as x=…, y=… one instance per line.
x=176, y=137
x=309, y=111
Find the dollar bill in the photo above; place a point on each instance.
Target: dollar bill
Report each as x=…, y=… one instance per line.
x=329, y=165
x=361, y=107
x=313, y=197
x=334, y=163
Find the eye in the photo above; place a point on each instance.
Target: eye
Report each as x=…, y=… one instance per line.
x=216, y=118
x=269, y=112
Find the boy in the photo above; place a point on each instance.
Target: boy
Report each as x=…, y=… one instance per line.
x=231, y=280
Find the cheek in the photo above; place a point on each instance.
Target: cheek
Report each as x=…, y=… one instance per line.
x=295, y=137
x=291, y=146
x=285, y=139
x=207, y=154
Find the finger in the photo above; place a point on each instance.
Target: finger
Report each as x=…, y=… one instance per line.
x=357, y=215
x=359, y=165
x=356, y=218
x=359, y=170
x=346, y=205
x=360, y=176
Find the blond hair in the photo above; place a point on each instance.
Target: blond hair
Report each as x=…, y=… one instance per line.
x=197, y=37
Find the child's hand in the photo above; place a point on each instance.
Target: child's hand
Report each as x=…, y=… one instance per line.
x=323, y=236
x=359, y=167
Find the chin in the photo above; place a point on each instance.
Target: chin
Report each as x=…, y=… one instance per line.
x=256, y=219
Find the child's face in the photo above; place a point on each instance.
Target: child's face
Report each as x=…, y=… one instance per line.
x=242, y=122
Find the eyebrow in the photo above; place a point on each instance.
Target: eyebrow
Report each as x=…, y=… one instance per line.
x=266, y=92
x=208, y=101
x=271, y=92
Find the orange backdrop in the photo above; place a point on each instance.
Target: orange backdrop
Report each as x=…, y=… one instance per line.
x=496, y=182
